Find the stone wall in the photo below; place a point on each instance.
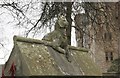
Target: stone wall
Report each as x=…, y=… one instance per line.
x=0, y=70
x=31, y=57
x=106, y=41
x=100, y=41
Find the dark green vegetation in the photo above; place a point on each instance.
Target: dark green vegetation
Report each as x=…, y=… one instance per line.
x=115, y=67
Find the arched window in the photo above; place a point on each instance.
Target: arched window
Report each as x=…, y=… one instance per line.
x=108, y=36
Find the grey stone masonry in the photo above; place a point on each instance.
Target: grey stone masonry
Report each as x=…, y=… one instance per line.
x=0, y=70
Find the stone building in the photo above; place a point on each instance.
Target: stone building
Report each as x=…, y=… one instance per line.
x=0, y=70
x=103, y=40
x=32, y=58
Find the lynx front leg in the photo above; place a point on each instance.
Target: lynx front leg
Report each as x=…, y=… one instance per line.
x=68, y=54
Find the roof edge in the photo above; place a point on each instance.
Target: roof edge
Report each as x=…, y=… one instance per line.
x=46, y=43
x=28, y=40
x=78, y=49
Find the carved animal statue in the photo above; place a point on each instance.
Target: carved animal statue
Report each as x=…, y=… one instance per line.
x=58, y=37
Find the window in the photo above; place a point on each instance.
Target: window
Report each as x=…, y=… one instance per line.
x=106, y=56
x=108, y=36
x=109, y=56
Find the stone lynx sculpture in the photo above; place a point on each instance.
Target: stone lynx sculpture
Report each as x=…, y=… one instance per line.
x=58, y=37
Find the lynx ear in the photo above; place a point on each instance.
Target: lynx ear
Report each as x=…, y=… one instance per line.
x=59, y=15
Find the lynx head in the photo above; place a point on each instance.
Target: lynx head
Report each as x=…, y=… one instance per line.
x=62, y=22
